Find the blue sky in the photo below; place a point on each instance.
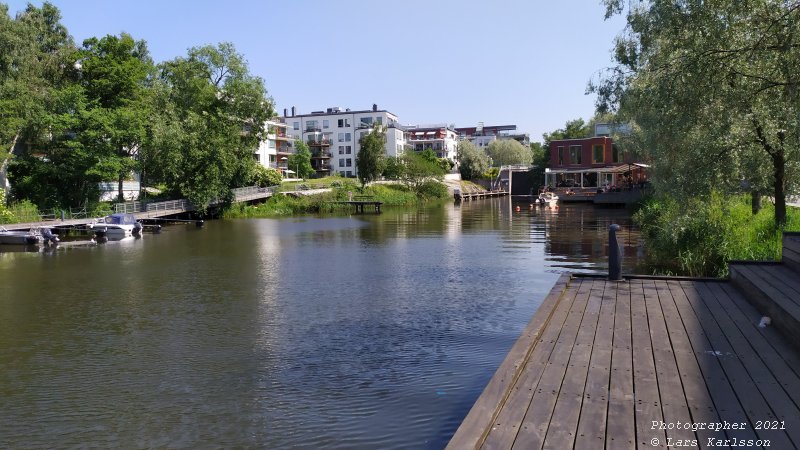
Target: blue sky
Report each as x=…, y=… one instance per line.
x=502, y=62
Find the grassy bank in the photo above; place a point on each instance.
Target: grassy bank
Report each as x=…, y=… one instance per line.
x=389, y=194
x=698, y=236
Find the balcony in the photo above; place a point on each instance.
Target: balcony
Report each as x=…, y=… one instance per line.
x=318, y=142
x=320, y=155
x=312, y=129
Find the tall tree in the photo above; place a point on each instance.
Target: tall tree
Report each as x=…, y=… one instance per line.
x=221, y=110
x=115, y=73
x=371, y=159
x=300, y=160
x=714, y=92
x=474, y=162
x=508, y=152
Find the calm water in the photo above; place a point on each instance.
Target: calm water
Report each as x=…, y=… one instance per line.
x=345, y=332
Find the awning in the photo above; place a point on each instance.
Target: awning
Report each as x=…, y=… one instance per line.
x=420, y=133
x=288, y=171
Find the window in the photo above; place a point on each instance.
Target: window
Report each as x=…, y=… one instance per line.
x=326, y=123
x=344, y=137
x=312, y=125
x=366, y=121
x=361, y=135
x=343, y=123
x=272, y=158
x=341, y=162
x=349, y=162
x=379, y=120
x=614, y=153
x=295, y=125
x=348, y=149
x=349, y=173
x=270, y=143
x=574, y=154
x=597, y=153
x=560, y=156
x=341, y=149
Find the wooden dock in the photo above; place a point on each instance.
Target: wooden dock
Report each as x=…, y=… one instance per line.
x=644, y=363
x=467, y=196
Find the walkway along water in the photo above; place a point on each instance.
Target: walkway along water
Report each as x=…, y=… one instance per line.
x=652, y=362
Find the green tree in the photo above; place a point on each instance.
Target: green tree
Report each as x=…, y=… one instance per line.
x=115, y=75
x=300, y=160
x=713, y=92
x=474, y=162
x=419, y=168
x=394, y=168
x=371, y=159
x=508, y=152
x=265, y=176
x=220, y=110
x=541, y=160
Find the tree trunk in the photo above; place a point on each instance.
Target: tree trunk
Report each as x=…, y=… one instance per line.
x=120, y=194
x=755, y=201
x=779, y=164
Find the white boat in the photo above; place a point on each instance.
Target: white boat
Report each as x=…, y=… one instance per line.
x=547, y=199
x=117, y=225
x=19, y=237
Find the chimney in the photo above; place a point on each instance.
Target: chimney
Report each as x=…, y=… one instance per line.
x=374, y=107
x=293, y=111
x=284, y=113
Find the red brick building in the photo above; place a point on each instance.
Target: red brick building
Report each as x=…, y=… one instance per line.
x=594, y=162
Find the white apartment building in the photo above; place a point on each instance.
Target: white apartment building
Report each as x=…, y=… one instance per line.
x=333, y=136
x=441, y=138
x=277, y=145
x=482, y=135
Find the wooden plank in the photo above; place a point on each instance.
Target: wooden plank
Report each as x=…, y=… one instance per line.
x=789, y=354
x=698, y=397
x=726, y=404
x=505, y=423
x=533, y=428
x=564, y=424
x=784, y=312
x=645, y=380
x=673, y=399
x=621, y=431
x=746, y=389
x=755, y=274
x=782, y=402
x=785, y=281
x=480, y=417
x=591, y=432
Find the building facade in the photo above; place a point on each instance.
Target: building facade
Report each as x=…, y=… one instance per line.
x=277, y=145
x=333, y=136
x=441, y=138
x=594, y=162
x=481, y=136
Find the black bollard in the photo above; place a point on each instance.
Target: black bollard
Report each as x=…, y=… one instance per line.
x=614, y=254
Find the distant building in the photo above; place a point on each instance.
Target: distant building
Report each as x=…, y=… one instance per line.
x=277, y=145
x=482, y=135
x=441, y=138
x=594, y=162
x=333, y=136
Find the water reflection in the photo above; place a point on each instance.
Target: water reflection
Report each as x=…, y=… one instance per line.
x=364, y=331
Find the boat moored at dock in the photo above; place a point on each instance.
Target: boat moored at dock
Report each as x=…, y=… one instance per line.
x=118, y=224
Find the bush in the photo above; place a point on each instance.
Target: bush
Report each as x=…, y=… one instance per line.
x=698, y=236
x=432, y=190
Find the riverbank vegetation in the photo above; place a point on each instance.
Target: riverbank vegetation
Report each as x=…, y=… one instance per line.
x=699, y=235
x=712, y=96
x=391, y=195
x=75, y=115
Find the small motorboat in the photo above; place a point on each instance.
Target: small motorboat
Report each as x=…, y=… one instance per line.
x=116, y=225
x=16, y=237
x=547, y=199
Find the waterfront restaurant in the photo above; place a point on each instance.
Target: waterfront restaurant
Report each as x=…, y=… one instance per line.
x=594, y=163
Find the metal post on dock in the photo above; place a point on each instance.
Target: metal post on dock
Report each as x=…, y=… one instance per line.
x=614, y=254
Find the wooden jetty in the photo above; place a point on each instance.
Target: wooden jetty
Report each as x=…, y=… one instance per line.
x=467, y=196
x=648, y=362
x=360, y=201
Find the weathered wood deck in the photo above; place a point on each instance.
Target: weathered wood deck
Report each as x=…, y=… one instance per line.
x=601, y=362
